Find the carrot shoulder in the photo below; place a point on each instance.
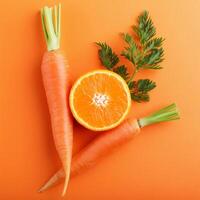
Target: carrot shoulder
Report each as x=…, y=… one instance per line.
x=56, y=78
x=105, y=142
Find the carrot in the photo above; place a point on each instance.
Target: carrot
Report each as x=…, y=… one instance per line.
x=56, y=83
x=106, y=141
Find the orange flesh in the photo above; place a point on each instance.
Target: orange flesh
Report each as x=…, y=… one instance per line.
x=101, y=99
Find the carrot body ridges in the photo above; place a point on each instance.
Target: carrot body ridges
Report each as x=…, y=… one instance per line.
x=105, y=142
x=100, y=146
x=55, y=78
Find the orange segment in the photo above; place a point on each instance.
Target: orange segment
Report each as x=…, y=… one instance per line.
x=100, y=100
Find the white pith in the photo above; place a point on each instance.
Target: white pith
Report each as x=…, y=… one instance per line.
x=100, y=99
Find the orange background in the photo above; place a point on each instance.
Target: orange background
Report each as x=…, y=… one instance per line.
x=163, y=163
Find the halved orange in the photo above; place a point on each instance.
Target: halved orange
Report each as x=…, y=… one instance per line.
x=100, y=100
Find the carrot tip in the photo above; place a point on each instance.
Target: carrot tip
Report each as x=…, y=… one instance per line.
x=65, y=188
x=66, y=183
x=40, y=190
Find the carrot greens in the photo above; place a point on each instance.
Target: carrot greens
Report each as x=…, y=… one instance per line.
x=168, y=113
x=143, y=50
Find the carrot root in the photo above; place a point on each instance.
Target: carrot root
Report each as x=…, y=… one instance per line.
x=89, y=155
x=56, y=81
x=53, y=180
x=99, y=147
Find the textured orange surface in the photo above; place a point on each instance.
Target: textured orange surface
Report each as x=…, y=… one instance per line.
x=100, y=100
x=162, y=163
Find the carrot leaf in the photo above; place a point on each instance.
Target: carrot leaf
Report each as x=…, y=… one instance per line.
x=122, y=71
x=107, y=57
x=145, y=29
x=143, y=50
x=140, y=89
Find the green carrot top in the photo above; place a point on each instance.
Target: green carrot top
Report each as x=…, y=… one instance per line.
x=168, y=113
x=143, y=50
x=51, y=18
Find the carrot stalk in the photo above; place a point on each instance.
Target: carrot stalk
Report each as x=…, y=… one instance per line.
x=51, y=27
x=57, y=86
x=168, y=113
x=105, y=142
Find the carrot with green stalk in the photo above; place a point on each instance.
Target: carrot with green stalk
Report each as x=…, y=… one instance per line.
x=108, y=140
x=55, y=74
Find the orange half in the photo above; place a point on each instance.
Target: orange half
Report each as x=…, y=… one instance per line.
x=100, y=100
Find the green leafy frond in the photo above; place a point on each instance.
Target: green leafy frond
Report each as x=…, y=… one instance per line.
x=140, y=89
x=145, y=29
x=152, y=59
x=132, y=85
x=122, y=71
x=143, y=50
x=129, y=39
x=145, y=85
x=140, y=97
x=131, y=52
x=107, y=57
x=148, y=52
x=153, y=44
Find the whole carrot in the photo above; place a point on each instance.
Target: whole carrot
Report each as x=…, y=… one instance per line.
x=55, y=76
x=106, y=141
